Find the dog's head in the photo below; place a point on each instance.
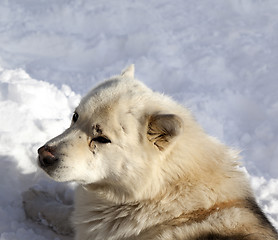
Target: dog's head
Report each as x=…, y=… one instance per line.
x=119, y=131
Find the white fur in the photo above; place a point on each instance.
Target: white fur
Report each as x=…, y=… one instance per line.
x=133, y=187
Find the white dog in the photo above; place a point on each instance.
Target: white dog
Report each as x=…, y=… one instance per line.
x=147, y=170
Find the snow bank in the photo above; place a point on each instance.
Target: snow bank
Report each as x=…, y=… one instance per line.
x=31, y=112
x=267, y=195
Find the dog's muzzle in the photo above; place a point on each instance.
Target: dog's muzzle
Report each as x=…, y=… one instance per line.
x=46, y=156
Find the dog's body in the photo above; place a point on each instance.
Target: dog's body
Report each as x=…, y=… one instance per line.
x=148, y=171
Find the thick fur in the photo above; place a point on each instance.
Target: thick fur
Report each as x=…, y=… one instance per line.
x=147, y=170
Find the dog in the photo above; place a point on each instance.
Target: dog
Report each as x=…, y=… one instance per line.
x=147, y=170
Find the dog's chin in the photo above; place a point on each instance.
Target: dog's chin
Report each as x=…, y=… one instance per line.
x=62, y=177
x=54, y=172
x=56, y=175
x=60, y=173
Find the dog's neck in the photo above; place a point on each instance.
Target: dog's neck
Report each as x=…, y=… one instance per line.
x=106, y=217
x=184, y=187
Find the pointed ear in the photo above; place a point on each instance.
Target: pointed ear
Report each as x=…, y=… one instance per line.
x=129, y=71
x=163, y=128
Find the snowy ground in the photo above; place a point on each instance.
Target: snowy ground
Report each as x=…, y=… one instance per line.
x=219, y=58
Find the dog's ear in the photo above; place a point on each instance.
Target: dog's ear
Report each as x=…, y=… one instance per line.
x=129, y=71
x=163, y=128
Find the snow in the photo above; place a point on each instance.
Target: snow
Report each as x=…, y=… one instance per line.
x=217, y=57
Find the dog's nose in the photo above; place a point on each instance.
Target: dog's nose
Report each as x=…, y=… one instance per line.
x=46, y=156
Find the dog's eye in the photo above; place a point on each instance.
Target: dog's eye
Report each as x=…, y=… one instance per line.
x=75, y=117
x=101, y=139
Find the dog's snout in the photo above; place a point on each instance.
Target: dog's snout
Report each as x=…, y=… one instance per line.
x=46, y=156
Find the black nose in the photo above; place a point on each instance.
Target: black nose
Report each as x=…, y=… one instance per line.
x=46, y=156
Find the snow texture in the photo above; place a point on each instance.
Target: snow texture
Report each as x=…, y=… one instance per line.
x=219, y=58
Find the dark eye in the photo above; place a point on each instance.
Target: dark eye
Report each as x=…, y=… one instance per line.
x=101, y=139
x=75, y=117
